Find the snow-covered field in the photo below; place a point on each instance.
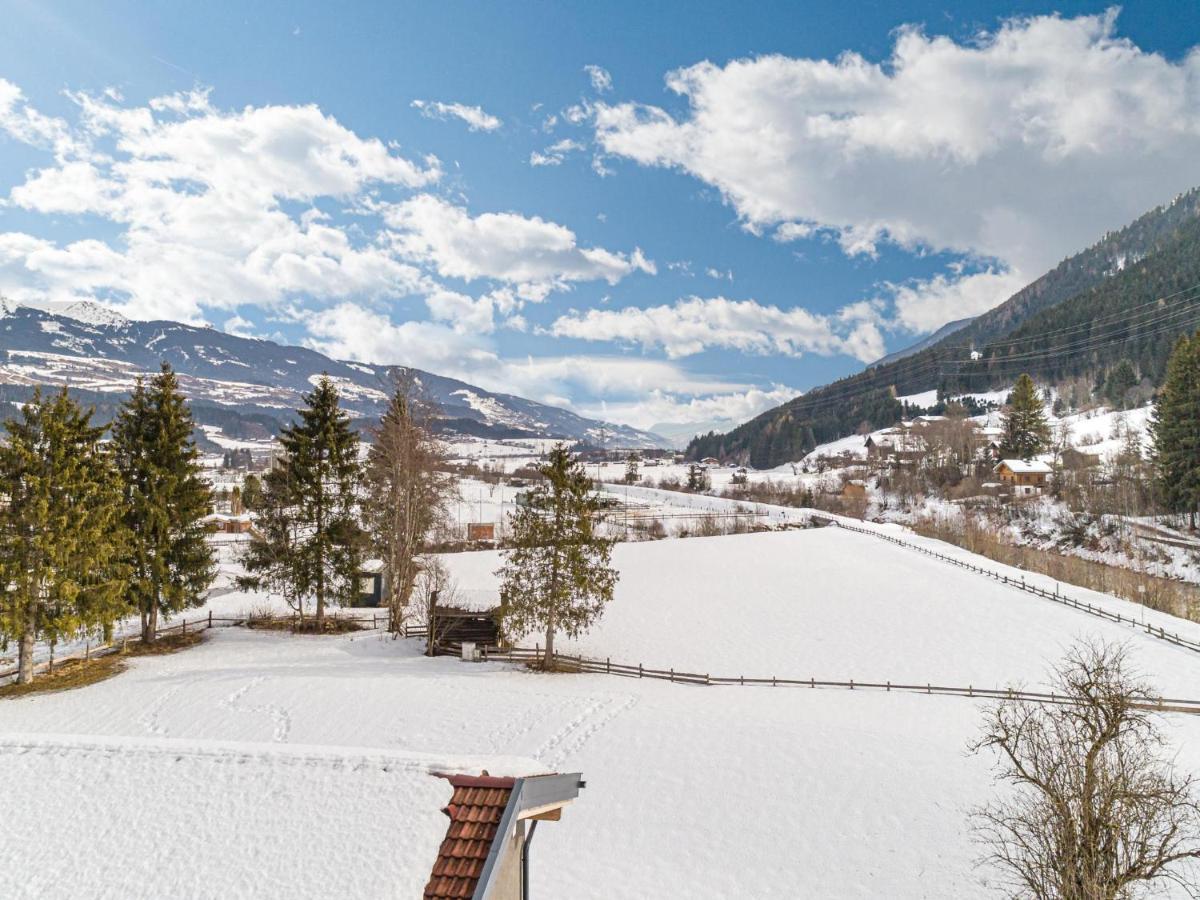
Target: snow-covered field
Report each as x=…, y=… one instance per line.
x=268, y=765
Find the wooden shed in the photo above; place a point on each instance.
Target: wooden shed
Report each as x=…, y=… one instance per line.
x=452, y=625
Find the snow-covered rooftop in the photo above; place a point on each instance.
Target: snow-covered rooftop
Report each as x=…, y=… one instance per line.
x=1024, y=466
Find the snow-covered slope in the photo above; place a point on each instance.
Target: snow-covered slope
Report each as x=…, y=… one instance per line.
x=219, y=758
x=92, y=348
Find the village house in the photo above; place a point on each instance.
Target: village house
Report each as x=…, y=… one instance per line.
x=897, y=446
x=1026, y=478
x=485, y=854
x=1078, y=461
x=224, y=523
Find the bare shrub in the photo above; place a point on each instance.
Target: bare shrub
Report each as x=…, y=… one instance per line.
x=1095, y=811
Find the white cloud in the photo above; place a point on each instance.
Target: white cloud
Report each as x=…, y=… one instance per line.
x=530, y=252
x=927, y=304
x=474, y=116
x=691, y=414
x=1020, y=146
x=601, y=80
x=355, y=332
x=240, y=327
x=467, y=315
x=197, y=196
x=555, y=153
x=695, y=324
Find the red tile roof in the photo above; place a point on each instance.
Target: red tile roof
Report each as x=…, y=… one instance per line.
x=475, y=811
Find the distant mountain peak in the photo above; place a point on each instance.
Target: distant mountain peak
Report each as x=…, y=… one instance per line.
x=91, y=313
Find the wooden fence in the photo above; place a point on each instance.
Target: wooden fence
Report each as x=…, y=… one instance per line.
x=1154, y=631
x=571, y=663
x=203, y=623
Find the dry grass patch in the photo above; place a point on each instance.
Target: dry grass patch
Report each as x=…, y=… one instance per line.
x=332, y=625
x=76, y=673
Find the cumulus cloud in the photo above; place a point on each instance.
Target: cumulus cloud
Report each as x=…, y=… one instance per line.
x=355, y=332
x=474, y=117
x=1019, y=146
x=198, y=196
x=528, y=251
x=695, y=324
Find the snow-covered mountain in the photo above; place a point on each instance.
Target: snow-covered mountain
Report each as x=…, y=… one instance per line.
x=93, y=349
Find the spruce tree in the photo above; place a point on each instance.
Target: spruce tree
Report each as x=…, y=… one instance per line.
x=631, y=468
x=309, y=543
x=1175, y=430
x=1120, y=381
x=1026, y=431
x=557, y=576
x=166, y=501
x=62, y=538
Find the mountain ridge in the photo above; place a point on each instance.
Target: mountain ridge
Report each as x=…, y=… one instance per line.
x=89, y=347
x=1153, y=250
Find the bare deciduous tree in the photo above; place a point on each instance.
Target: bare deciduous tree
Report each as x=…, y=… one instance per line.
x=434, y=587
x=1095, y=810
x=405, y=493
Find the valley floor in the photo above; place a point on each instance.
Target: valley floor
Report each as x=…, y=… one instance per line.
x=269, y=765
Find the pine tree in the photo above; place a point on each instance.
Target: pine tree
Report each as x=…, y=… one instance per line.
x=405, y=497
x=1175, y=430
x=166, y=500
x=1026, y=431
x=61, y=533
x=309, y=542
x=557, y=576
x=1120, y=381
x=631, y=468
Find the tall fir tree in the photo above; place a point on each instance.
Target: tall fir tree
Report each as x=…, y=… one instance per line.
x=309, y=543
x=62, y=539
x=1026, y=431
x=166, y=500
x=405, y=497
x=1175, y=430
x=1121, y=379
x=558, y=575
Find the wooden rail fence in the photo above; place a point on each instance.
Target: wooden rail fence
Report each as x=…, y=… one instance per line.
x=119, y=643
x=1154, y=631
x=571, y=663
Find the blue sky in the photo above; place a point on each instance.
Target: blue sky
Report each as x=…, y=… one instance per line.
x=663, y=213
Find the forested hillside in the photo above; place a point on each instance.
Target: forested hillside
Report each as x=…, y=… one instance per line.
x=1126, y=297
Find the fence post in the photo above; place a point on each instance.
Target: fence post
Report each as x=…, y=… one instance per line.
x=183, y=627
x=639, y=670
x=672, y=676
x=851, y=684
x=210, y=618
x=889, y=685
